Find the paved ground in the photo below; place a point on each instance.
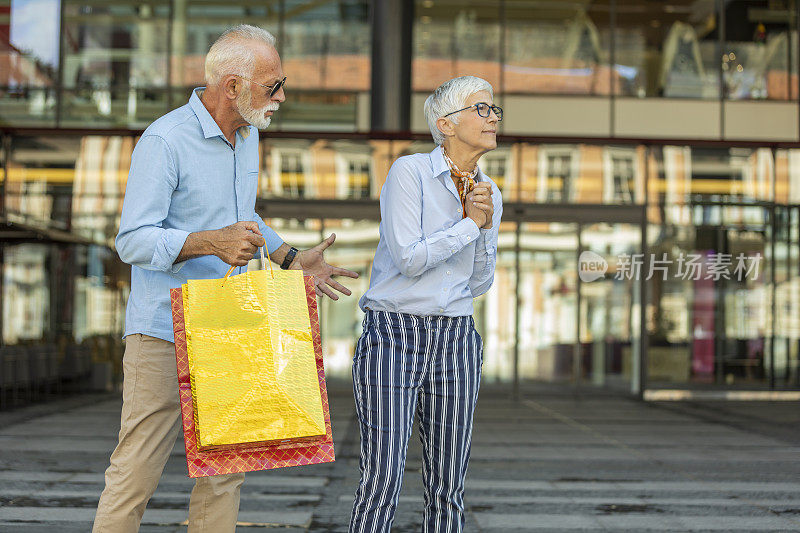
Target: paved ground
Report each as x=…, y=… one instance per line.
x=554, y=461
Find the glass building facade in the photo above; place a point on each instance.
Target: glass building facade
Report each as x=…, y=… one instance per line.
x=658, y=140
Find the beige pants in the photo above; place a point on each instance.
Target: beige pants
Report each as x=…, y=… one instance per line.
x=150, y=424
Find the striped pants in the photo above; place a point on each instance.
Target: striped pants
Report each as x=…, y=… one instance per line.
x=405, y=363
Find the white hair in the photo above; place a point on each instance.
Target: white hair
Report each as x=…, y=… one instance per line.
x=230, y=55
x=450, y=96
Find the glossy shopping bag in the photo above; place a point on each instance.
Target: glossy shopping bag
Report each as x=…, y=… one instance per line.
x=250, y=373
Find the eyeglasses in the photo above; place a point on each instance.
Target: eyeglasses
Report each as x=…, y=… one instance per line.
x=274, y=88
x=483, y=110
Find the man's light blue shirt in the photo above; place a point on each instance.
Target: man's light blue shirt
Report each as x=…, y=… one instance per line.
x=430, y=260
x=185, y=177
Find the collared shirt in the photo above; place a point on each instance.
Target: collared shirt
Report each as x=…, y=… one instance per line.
x=185, y=177
x=430, y=260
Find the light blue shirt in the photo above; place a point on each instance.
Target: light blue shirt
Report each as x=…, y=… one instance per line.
x=430, y=260
x=185, y=177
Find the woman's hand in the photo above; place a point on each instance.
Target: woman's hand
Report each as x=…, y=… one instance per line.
x=480, y=198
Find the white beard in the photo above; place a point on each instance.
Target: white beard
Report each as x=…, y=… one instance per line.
x=254, y=117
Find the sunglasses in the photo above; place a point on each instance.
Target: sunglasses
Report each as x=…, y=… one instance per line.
x=483, y=110
x=274, y=88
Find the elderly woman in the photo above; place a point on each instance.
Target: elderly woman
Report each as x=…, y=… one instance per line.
x=419, y=350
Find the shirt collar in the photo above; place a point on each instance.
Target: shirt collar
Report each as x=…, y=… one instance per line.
x=440, y=165
x=207, y=122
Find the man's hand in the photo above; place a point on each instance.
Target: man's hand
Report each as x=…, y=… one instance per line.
x=479, y=205
x=235, y=244
x=312, y=262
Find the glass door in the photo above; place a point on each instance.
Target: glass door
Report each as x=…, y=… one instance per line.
x=548, y=301
x=609, y=310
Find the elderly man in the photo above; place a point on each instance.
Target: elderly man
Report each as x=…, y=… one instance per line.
x=189, y=213
x=419, y=350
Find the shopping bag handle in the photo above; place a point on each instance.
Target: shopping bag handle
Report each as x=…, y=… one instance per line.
x=268, y=261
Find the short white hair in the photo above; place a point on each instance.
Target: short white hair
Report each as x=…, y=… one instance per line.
x=230, y=54
x=450, y=96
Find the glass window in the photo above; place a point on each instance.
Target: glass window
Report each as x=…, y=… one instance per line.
x=69, y=183
x=291, y=168
x=326, y=45
x=196, y=25
x=759, y=58
x=610, y=307
x=326, y=51
x=495, y=311
x=353, y=174
x=343, y=169
x=499, y=165
x=115, y=67
x=666, y=49
x=721, y=268
x=455, y=38
x=559, y=170
x=101, y=173
x=340, y=321
x=100, y=296
x=548, y=309
x=26, y=293
x=29, y=61
x=41, y=172
x=619, y=176
x=556, y=47
x=686, y=175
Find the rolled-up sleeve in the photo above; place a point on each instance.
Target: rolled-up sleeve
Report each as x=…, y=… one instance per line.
x=142, y=240
x=401, y=212
x=273, y=240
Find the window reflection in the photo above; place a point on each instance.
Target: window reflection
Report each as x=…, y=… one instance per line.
x=721, y=336
x=26, y=293
x=548, y=306
x=40, y=177
x=69, y=183
x=115, y=62
x=759, y=46
x=667, y=49
x=455, y=38
x=556, y=47
x=693, y=174
x=703, y=201
x=29, y=60
x=99, y=299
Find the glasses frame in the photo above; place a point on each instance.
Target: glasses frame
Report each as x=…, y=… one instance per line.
x=498, y=111
x=274, y=88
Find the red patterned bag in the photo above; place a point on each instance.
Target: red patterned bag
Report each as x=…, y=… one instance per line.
x=246, y=458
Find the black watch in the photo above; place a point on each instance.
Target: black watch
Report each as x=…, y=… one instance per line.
x=287, y=261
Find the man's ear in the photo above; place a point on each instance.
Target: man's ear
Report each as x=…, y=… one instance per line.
x=446, y=127
x=231, y=87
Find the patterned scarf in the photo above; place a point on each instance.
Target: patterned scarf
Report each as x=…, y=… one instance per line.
x=465, y=181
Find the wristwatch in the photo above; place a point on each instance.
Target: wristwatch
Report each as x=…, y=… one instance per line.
x=287, y=261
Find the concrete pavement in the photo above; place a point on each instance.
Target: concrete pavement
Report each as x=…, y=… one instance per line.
x=554, y=461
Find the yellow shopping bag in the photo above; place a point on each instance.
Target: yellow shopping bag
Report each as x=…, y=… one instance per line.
x=251, y=359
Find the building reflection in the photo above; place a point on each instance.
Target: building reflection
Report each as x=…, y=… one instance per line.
x=663, y=129
x=698, y=332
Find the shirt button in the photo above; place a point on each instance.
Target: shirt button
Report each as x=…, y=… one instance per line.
x=448, y=272
x=441, y=310
x=444, y=290
x=454, y=250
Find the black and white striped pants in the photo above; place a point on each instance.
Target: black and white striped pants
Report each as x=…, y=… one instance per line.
x=405, y=363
